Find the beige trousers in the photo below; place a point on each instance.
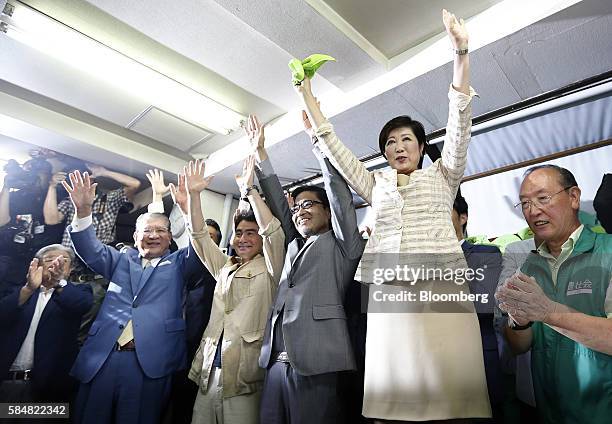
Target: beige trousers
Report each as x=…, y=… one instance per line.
x=211, y=408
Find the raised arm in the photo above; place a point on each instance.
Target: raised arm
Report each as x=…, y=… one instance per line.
x=98, y=256
x=271, y=188
x=130, y=184
x=269, y=227
x=352, y=169
x=191, y=183
x=343, y=216
x=51, y=211
x=159, y=188
x=459, y=125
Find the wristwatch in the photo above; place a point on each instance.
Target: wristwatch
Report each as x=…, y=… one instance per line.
x=513, y=325
x=244, y=192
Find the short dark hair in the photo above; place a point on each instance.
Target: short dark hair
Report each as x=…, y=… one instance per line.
x=215, y=225
x=461, y=207
x=243, y=215
x=403, y=121
x=566, y=178
x=318, y=191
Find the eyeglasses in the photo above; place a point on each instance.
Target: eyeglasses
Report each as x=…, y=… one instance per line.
x=306, y=204
x=149, y=231
x=539, y=201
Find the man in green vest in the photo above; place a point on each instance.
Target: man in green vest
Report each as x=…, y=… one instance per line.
x=560, y=303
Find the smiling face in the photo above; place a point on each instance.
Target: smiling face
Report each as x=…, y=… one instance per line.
x=246, y=241
x=553, y=222
x=152, y=237
x=313, y=220
x=402, y=150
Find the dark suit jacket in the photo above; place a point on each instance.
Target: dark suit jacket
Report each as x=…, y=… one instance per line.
x=55, y=344
x=314, y=282
x=489, y=259
x=152, y=298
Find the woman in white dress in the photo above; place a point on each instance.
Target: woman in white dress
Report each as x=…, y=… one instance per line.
x=421, y=364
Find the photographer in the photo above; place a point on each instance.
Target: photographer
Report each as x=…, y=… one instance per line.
x=105, y=208
x=22, y=227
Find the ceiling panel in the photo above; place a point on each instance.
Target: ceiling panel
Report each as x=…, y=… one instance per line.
x=299, y=30
x=170, y=130
x=394, y=26
x=205, y=32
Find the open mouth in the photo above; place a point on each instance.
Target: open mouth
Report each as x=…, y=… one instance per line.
x=540, y=223
x=303, y=221
x=401, y=159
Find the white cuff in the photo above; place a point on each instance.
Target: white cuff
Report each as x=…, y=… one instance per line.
x=81, y=224
x=156, y=207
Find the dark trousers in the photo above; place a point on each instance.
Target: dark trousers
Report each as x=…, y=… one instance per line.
x=290, y=398
x=121, y=393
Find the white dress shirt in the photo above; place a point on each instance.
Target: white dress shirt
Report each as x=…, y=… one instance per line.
x=25, y=357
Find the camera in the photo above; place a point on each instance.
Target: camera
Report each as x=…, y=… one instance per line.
x=18, y=177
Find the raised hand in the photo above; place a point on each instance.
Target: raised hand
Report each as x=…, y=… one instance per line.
x=96, y=170
x=57, y=178
x=156, y=178
x=455, y=28
x=194, y=176
x=179, y=194
x=255, y=132
x=82, y=192
x=304, y=88
x=246, y=179
x=35, y=275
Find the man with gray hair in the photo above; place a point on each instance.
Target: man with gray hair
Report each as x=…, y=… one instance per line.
x=39, y=323
x=560, y=302
x=137, y=341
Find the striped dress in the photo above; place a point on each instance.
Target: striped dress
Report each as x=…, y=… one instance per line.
x=420, y=364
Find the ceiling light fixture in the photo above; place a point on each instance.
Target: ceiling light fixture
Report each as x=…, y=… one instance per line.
x=62, y=42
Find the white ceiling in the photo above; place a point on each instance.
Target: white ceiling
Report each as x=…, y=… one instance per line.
x=236, y=52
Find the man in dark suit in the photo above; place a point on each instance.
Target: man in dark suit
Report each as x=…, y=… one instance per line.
x=488, y=260
x=138, y=338
x=39, y=324
x=306, y=343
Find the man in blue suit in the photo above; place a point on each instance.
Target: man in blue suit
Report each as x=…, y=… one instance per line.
x=138, y=338
x=486, y=259
x=39, y=324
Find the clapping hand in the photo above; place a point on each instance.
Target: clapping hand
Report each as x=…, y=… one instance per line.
x=35, y=275
x=82, y=192
x=524, y=300
x=455, y=28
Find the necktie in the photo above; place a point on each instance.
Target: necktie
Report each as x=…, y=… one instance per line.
x=128, y=332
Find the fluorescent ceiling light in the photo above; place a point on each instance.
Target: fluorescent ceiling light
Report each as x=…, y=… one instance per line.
x=55, y=39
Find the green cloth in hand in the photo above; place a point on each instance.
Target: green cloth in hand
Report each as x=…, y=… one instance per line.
x=307, y=67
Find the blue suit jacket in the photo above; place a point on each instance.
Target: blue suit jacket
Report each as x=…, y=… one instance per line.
x=489, y=259
x=151, y=298
x=55, y=343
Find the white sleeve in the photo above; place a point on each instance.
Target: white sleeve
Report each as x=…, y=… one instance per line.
x=81, y=224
